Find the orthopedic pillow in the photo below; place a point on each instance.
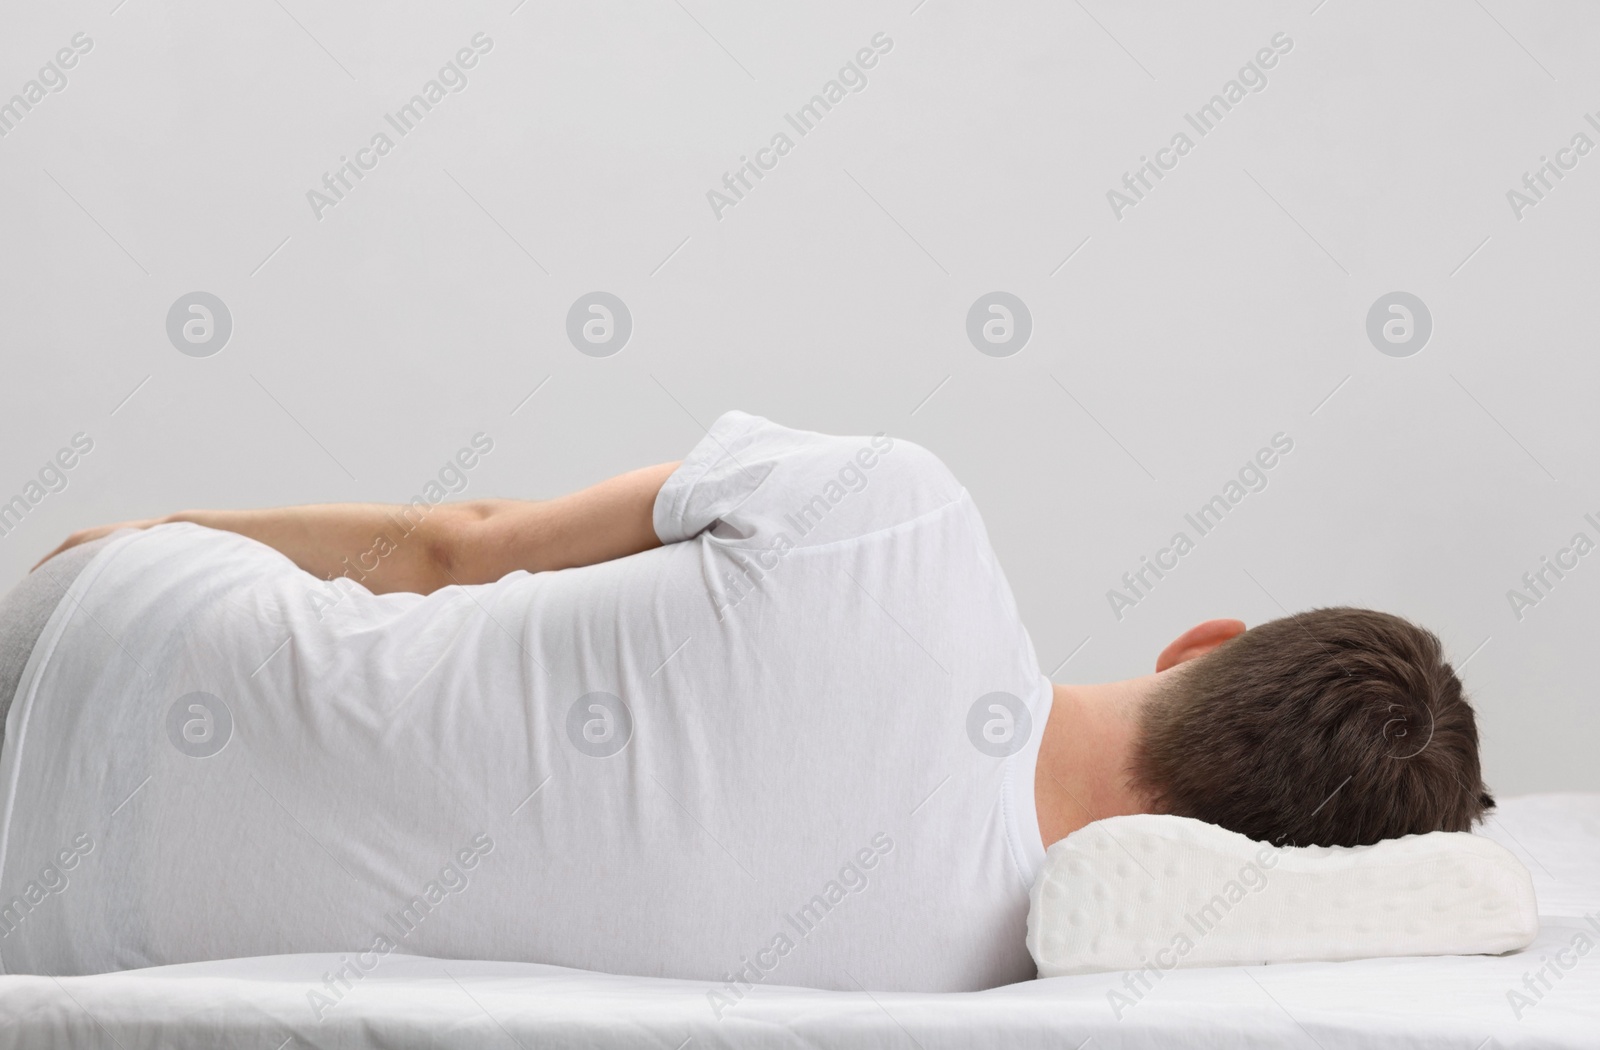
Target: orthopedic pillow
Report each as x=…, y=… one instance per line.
x=1130, y=893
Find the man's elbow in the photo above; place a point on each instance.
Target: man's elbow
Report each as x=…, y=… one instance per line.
x=446, y=539
x=462, y=543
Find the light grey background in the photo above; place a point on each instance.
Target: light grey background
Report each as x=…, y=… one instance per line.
x=1228, y=305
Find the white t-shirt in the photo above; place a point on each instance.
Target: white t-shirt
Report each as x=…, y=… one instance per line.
x=793, y=745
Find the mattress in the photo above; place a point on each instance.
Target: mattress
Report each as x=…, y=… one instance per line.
x=1464, y=1002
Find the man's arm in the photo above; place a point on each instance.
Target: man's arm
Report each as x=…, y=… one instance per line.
x=397, y=547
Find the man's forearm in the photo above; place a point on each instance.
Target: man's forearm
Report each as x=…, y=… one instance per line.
x=406, y=547
x=384, y=547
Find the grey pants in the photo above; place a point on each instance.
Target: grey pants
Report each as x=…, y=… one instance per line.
x=27, y=608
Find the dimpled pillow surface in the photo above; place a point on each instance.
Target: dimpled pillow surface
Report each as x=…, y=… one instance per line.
x=1129, y=893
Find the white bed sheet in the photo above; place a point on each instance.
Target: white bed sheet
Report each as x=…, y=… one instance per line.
x=1458, y=1002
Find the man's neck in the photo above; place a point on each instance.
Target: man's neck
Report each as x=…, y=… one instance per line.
x=1081, y=775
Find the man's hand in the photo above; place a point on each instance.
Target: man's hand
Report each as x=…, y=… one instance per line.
x=85, y=535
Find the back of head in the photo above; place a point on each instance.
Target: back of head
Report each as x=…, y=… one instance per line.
x=1335, y=727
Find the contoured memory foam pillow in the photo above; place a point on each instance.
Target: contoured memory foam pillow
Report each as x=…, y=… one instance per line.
x=1130, y=893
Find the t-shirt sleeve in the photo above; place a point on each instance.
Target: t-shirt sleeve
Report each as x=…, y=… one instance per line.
x=749, y=479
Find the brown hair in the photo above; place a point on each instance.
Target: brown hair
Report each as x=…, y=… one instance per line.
x=1334, y=727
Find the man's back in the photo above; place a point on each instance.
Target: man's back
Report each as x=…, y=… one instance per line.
x=750, y=754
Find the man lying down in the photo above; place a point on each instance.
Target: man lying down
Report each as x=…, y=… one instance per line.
x=765, y=715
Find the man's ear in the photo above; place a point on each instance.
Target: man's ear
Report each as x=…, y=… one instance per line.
x=1197, y=641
